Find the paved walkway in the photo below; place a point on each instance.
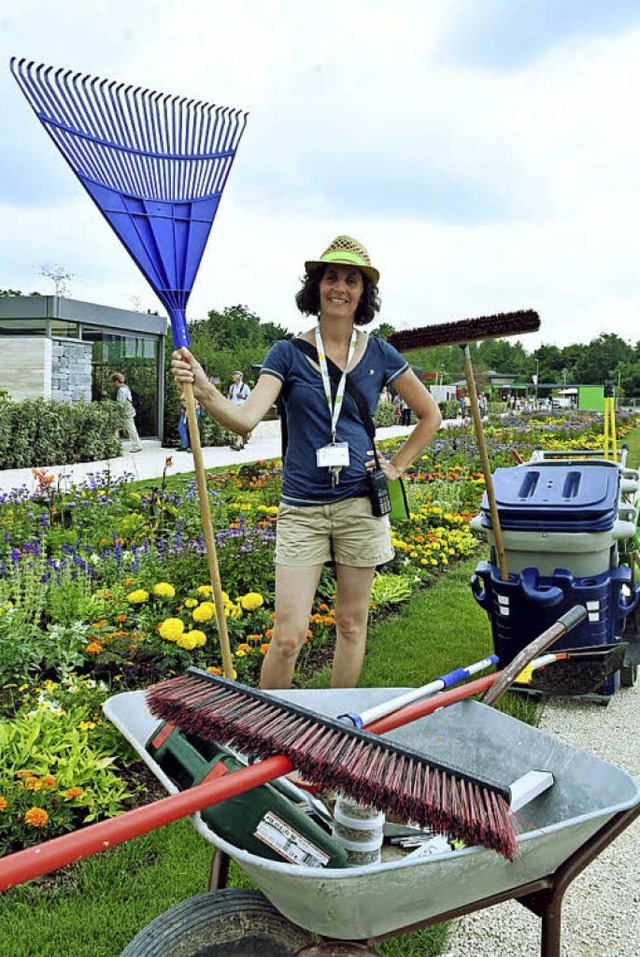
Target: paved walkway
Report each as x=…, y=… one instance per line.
x=149, y=464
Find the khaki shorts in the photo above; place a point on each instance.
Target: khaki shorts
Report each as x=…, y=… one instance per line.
x=343, y=531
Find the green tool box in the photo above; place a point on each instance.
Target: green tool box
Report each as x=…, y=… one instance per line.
x=263, y=821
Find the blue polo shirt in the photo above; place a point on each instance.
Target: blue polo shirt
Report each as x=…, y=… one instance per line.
x=309, y=422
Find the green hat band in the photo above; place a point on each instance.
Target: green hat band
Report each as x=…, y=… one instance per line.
x=342, y=255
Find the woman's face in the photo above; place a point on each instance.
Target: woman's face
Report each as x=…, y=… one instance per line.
x=340, y=290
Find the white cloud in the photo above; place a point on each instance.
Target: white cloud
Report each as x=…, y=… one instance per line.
x=476, y=191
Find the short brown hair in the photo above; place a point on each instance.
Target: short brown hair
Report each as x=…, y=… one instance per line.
x=308, y=298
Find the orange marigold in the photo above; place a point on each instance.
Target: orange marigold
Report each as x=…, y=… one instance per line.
x=264, y=648
x=36, y=817
x=72, y=793
x=3, y=803
x=93, y=648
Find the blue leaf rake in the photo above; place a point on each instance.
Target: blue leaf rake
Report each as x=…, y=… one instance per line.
x=155, y=165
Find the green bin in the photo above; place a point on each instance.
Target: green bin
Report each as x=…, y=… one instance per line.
x=263, y=821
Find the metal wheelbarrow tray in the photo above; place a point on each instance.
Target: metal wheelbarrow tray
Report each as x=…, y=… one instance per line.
x=363, y=903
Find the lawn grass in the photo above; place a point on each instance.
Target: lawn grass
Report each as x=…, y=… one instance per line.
x=97, y=906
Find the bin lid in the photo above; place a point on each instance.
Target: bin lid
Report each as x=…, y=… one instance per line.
x=576, y=497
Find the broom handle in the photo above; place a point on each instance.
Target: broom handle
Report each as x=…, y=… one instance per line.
x=484, y=459
x=69, y=848
x=207, y=525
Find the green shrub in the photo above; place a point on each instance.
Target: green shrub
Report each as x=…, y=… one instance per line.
x=449, y=408
x=36, y=433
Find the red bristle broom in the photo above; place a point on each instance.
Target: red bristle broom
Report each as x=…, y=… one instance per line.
x=461, y=334
x=155, y=166
x=69, y=848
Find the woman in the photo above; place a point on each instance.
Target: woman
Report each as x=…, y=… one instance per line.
x=325, y=512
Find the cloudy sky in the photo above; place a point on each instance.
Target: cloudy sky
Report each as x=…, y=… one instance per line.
x=487, y=152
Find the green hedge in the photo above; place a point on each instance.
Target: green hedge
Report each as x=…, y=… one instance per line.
x=36, y=433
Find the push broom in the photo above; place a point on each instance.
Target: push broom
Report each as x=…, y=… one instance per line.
x=155, y=166
x=461, y=334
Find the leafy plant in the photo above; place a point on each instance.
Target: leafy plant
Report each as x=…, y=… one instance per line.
x=390, y=589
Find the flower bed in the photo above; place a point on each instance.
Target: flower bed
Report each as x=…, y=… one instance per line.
x=105, y=587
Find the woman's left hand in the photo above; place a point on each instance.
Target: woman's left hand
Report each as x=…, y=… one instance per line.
x=390, y=470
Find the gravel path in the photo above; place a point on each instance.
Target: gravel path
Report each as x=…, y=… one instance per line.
x=601, y=910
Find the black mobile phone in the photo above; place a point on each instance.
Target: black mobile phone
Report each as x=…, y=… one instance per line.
x=379, y=493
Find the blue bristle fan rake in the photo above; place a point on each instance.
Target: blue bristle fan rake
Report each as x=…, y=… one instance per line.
x=155, y=166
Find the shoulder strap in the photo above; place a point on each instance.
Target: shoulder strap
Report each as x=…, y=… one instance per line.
x=335, y=374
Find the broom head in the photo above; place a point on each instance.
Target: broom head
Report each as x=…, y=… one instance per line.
x=368, y=768
x=467, y=330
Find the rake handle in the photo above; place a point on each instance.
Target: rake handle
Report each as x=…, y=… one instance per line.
x=207, y=526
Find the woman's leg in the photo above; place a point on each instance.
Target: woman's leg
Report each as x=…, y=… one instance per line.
x=352, y=614
x=295, y=591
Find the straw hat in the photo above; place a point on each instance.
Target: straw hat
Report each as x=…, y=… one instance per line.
x=347, y=252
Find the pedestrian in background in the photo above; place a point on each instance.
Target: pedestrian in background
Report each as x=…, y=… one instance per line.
x=238, y=393
x=125, y=401
x=183, y=424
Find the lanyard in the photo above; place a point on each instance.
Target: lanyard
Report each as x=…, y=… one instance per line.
x=334, y=408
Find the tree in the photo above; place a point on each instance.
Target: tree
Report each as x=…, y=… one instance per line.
x=60, y=277
x=598, y=361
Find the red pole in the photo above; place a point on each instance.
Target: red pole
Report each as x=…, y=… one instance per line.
x=69, y=848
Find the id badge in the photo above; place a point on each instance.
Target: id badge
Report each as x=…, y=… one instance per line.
x=334, y=455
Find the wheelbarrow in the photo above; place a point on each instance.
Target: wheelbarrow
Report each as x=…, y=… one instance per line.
x=316, y=912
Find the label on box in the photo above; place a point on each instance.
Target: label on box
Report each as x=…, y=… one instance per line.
x=289, y=843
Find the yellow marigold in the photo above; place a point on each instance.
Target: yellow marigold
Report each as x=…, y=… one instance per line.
x=198, y=636
x=204, y=590
x=191, y=602
x=138, y=597
x=171, y=629
x=204, y=612
x=244, y=648
x=186, y=641
x=72, y=793
x=164, y=590
x=3, y=803
x=36, y=817
x=87, y=725
x=233, y=611
x=251, y=601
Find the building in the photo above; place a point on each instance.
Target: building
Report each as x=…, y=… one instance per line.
x=67, y=350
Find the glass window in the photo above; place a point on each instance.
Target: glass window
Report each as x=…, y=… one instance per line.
x=23, y=327
x=69, y=330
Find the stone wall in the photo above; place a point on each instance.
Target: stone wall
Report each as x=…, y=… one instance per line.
x=70, y=370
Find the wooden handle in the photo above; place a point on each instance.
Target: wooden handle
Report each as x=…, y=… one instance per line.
x=209, y=538
x=484, y=460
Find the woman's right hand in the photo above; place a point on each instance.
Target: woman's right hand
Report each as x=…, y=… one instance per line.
x=185, y=368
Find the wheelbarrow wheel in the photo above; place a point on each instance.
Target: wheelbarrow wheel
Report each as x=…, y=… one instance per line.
x=225, y=923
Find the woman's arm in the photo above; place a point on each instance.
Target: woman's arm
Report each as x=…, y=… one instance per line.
x=426, y=410
x=239, y=418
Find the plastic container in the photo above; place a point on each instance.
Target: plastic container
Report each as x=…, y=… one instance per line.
x=585, y=553
x=263, y=821
x=528, y=603
x=358, y=828
x=558, y=497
